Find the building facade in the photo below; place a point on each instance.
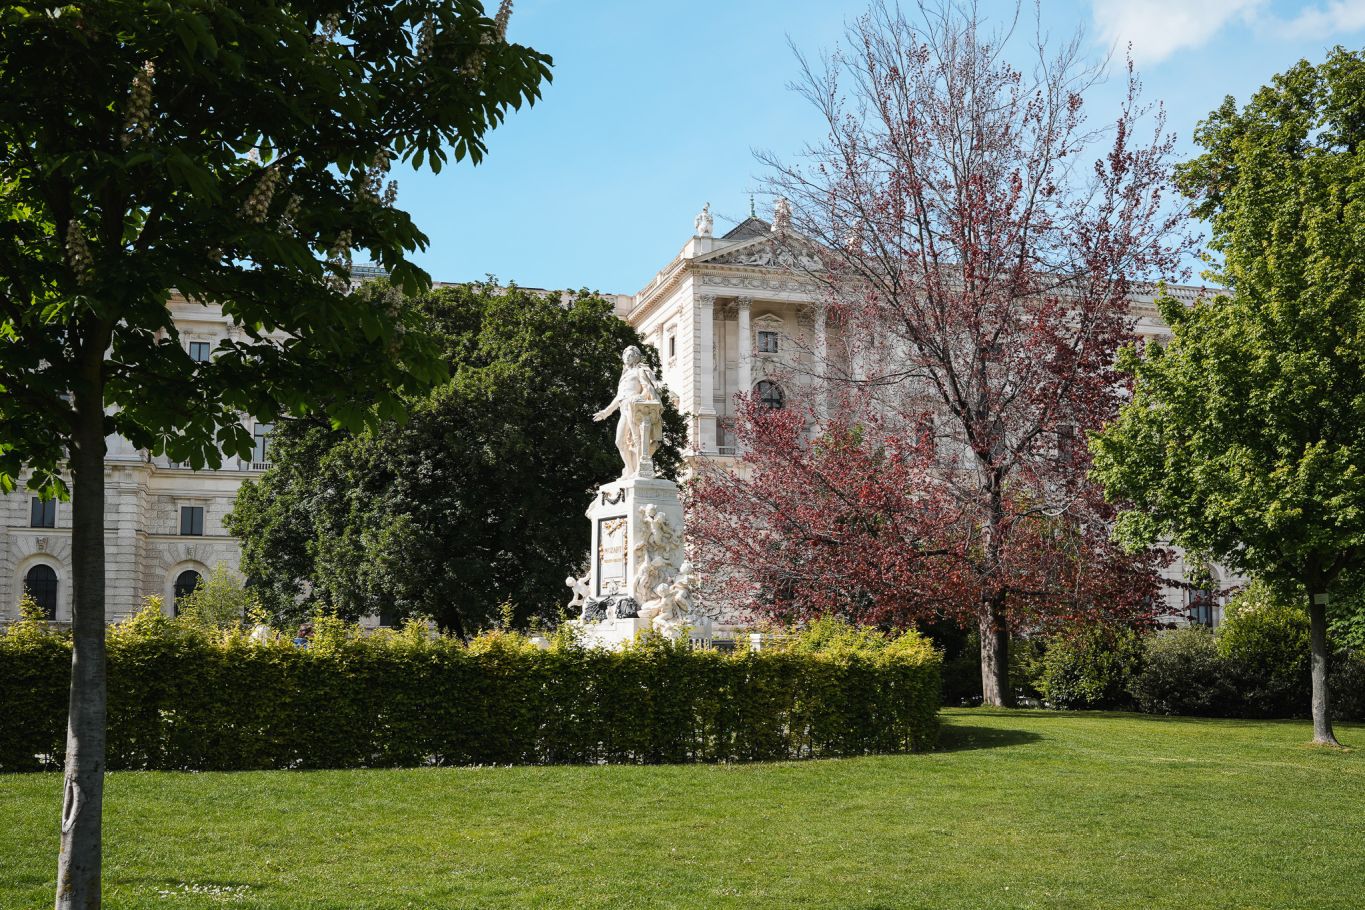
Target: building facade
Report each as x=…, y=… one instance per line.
x=163, y=521
x=739, y=314
x=727, y=314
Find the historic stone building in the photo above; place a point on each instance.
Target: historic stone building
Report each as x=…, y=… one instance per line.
x=738, y=313
x=164, y=521
x=727, y=314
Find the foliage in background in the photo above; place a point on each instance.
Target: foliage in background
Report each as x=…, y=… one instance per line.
x=1182, y=673
x=977, y=242
x=476, y=500
x=183, y=696
x=1243, y=437
x=1347, y=614
x=1263, y=640
x=1092, y=668
x=219, y=602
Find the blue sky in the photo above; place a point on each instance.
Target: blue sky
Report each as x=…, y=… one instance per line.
x=656, y=108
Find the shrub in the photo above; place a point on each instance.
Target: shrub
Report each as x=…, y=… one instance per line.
x=183, y=696
x=1346, y=682
x=1183, y=673
x=35, y=676
x=219, y=602
x=1263, y=641
x=1093, y=668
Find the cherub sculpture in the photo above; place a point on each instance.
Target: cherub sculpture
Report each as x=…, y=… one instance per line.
x=581, y=590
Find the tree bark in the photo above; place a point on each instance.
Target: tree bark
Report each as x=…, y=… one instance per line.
x=78, y=864
x=995, y=657
x=1317, y=629
x=991, y=625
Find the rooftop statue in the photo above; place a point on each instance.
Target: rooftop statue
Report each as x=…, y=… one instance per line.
x=704, y=221
x=782, y=215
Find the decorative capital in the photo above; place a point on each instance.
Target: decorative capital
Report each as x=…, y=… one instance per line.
x=744, y=302
x=706, y=300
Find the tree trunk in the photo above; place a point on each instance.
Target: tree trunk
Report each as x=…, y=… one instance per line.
x=78, y=864
x=1322, y=717
x=995, y=636
x=995, y=657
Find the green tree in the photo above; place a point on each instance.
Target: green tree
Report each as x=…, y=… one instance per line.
x=1245, y=437
x=236, y=152
x=477, y=499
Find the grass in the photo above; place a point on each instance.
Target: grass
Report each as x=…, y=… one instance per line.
x=1018, y=809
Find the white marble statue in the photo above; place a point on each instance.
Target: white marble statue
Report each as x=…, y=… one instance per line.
x=580, y=588
x=782, y=215
x=671, y=612
x=704, y=221
x=639, y=430
x=670, y=616
x=657, y=552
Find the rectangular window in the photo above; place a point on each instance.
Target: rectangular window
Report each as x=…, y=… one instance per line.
x=260, y=453
x=767, y=342
x=44, y=513
x=192, y=520
x=199, y=351
x=672, y=346
x=1066, y=444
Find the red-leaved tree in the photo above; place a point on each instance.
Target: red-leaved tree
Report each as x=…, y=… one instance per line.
x=979, y=246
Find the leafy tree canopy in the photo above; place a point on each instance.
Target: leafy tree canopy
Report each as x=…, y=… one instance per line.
x=236, y=152
x=476, y=500
x=1245, y=437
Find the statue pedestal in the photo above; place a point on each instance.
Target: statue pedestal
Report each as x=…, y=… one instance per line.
x=620, y=516
x=613, y=633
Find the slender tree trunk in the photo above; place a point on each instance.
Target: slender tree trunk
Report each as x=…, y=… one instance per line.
x=991, y=625
x=1317, y=629
x=78, y=864
x=995, y=657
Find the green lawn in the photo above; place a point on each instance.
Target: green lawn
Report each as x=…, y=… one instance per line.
x=1019, y=809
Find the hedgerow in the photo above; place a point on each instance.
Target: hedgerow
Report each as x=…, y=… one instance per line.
x=186, y=696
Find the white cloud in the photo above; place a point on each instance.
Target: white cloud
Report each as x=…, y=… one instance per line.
x=1159, y=28
x=1337, y=17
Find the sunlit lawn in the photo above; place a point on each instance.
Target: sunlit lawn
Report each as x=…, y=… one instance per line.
x=1019, y=809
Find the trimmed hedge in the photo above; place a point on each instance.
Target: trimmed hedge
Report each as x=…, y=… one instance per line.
x=185, y=698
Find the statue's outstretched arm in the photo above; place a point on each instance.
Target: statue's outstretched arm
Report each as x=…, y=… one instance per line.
x=609, y=409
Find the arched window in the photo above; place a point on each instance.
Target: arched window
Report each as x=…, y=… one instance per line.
x=186, y=583
x=41, y=584
x=771, y=395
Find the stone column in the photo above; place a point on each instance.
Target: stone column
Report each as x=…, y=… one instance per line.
x=746, y=346
x=820, y=368
x=705, y=355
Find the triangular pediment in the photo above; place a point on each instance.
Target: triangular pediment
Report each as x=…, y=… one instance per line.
x=767, y=251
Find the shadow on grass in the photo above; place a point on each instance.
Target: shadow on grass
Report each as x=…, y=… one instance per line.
x=962, y=738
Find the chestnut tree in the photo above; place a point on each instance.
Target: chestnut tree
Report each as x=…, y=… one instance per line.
x=236, y=153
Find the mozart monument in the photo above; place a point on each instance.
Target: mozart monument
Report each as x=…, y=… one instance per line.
x=637, y=579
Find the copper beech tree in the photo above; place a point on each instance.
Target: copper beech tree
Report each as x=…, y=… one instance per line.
x=978, y=241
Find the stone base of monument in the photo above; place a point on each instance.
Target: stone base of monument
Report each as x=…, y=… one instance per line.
x=612, y=633
x=636, y=559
